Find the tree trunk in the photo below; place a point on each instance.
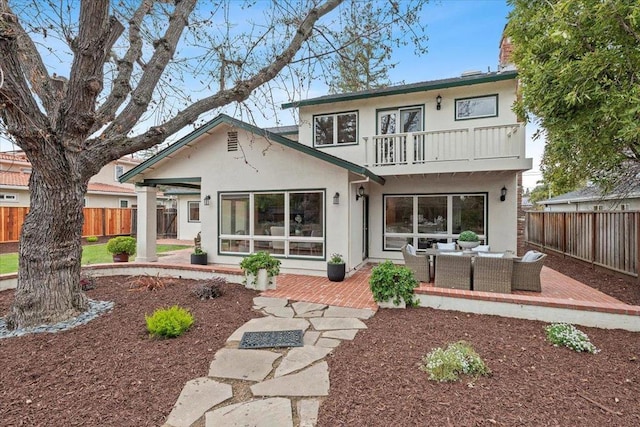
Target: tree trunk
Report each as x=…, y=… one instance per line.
x=50, y=250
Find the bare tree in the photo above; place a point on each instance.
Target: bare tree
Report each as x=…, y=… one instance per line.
x=72, y=123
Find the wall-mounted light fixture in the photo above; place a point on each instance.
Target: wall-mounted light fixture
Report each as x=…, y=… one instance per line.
x=336, y=198
x=438, y=102
x=503, y=194
x=207, y=200
x=360, y=193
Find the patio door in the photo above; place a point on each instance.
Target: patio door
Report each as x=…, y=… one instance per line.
x=393, y=148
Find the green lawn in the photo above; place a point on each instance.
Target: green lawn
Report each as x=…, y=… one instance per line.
x=91, y=254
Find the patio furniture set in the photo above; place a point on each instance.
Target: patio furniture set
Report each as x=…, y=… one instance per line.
x=476, y=270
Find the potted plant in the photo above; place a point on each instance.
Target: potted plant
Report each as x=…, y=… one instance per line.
x=468, y=240
x=260, y=269
x=392, y=285
x=122, y=247
x=336, y=268
x=198, y=257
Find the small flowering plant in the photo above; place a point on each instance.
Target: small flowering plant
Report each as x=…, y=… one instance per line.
x=448, y=364
x=569, y=336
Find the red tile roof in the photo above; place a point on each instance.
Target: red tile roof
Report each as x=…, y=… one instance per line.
x=18, y=179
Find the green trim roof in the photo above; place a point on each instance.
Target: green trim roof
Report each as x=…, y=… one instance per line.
x=408, y=88
x=230, y=121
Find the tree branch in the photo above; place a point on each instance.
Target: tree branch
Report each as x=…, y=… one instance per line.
x=121, y=85
x=19, y=110
x=164, y=49
x=97, y=34
x=119, y=146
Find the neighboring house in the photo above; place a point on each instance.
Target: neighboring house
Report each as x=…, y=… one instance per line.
x=104, y=189
x=369, y=172
x=591, y=199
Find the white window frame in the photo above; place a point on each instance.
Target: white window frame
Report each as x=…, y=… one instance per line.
x=189, y=203
x=9, y=197
x=335, y=116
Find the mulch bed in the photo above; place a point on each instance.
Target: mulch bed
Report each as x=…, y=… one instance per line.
x=110, y=373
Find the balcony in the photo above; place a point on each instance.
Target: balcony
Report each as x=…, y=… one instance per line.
x=457, y=150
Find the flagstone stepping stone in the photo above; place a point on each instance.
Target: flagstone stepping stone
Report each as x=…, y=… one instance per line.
x=269, y=302
x=328, y=342
x=310, y=337
x=313, y=381
x=341, y=334
x=308, y=412
x=360, y=313
x=271, y=412
x=305, y=307
x=280, y=311
x=317, y=313
x=299, y=358
x=196, y=397
x=325, y=324
x=270, y=323
x=251, y=365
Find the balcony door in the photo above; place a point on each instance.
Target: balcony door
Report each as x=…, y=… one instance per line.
x=392, y=149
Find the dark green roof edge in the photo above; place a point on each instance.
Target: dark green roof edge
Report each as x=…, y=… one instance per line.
x=223, y=118
x=409, y=88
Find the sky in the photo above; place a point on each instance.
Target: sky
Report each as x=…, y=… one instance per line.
x=463, y=35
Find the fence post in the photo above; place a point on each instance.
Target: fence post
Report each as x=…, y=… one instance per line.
x=593, y=237
x=637, y=216
x=544, y=237
x=564, y=234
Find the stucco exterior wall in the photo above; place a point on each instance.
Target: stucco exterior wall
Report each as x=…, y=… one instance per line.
x=107, y=200
x=22, y=197
x=259, y=166
x=443, y=119
x=188, y=230
x=588, y=206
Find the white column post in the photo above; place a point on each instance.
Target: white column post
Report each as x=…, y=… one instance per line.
x=147, y=223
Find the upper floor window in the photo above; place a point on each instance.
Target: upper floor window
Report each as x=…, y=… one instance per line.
x=334, y=129
x=402, y=120
x=477, y=107
x=119, y=171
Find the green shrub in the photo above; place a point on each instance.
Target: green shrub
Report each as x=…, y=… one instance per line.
x=567, y=335
x=468, y=236
x=456, y=359
x=209, y=289
x=389, y=281
x=169, y=322
x=122, y=245
x=92, y=239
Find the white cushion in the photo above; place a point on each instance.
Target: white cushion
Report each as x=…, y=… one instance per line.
x=481, y=248
x=447, y=246
x=531, y=256
x=411, y=250
x=490, y=255
x=451, y=253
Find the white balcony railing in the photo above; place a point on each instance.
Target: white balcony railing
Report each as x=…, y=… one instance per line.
x=488, y=142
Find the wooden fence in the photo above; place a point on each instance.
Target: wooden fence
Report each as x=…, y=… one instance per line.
x=166, y=220
x=97, y=222
x=606, y=239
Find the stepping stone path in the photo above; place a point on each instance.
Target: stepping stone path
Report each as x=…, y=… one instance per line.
x=280, y=387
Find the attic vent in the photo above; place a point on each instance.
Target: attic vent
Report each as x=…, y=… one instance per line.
x=232, y=141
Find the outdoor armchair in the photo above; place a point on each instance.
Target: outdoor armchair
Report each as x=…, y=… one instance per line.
x=453, y=271
x=526, y=274
x=492, y=274
x=418, y=263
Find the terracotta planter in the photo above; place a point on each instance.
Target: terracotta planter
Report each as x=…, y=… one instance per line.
x=199, y=259
x=335, y=272
x=121, y=257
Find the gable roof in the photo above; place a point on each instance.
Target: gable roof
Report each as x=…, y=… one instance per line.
x=230, y=121
x=464, y=80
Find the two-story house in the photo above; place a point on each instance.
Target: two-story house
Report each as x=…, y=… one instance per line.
x=366, y=172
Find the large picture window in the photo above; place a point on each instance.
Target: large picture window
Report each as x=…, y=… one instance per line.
x=286, y=223
x=334, y=129
x=422, y=220
x=478, y=107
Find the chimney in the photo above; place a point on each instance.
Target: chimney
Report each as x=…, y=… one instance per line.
x=506, y=50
